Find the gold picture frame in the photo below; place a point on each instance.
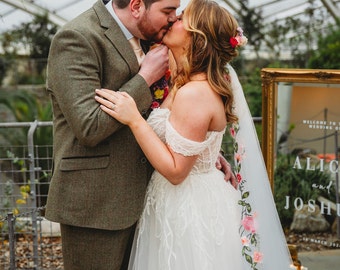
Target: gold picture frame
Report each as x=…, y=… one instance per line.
x=272, y=78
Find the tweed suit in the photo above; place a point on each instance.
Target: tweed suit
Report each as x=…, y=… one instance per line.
x=100, y=174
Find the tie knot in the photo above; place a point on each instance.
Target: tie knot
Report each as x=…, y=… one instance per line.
x=135, y=43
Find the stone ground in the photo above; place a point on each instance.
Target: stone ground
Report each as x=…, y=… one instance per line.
x=50, y=254
x=313, y=253
x=321, y=260
x=317, y=251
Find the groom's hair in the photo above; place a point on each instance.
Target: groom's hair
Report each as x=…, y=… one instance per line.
x=124, y=3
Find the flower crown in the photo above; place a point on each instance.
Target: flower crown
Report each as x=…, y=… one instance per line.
x=239, y=40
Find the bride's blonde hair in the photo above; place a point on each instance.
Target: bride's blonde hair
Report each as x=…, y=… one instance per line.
x=211, y=27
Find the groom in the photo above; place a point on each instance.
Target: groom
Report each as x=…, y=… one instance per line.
x=100, y=174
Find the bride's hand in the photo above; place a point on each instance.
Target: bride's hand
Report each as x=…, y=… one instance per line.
x=120, y=105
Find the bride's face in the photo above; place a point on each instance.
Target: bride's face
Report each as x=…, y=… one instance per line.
x=177, y=38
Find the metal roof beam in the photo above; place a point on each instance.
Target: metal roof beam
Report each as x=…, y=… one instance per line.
x=31, y=8
x=278, y=11
x=332, y=8
x=267, y=4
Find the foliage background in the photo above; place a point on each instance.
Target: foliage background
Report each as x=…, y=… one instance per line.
x=22, y=75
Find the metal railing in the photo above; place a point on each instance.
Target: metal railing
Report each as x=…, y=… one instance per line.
x=27, y=240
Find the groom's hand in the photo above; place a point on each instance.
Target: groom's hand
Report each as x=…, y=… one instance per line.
x=223, y=165
x=155, y=64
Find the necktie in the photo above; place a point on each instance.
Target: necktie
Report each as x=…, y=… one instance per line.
x=159, y=89
x=137, y=49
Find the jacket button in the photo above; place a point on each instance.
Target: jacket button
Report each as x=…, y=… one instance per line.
x=143, y=160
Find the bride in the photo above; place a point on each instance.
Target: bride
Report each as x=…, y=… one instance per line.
x=193, y=219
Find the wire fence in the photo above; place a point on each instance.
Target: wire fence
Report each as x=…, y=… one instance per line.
x=27, y=239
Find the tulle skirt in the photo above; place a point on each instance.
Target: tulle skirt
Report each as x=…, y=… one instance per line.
x=191, y=226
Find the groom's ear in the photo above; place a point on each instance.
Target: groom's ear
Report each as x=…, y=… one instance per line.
x=137, y=7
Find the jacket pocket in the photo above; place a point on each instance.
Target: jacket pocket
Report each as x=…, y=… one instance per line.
x=84, y=163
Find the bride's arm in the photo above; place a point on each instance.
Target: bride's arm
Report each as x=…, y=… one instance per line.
x=173, y=166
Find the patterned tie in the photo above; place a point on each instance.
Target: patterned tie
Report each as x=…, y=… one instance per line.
x=137, y=49
x=159, y=89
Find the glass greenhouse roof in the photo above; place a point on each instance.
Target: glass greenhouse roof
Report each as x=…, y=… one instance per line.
x=14, y=12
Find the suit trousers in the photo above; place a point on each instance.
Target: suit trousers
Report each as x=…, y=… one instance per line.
x=95, y=249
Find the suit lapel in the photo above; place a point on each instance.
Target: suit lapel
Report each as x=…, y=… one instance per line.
x=116, y=36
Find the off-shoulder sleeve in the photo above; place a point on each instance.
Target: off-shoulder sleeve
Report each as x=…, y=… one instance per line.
x=182, y=145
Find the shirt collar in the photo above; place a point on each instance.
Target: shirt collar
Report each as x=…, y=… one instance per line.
x=110, y=9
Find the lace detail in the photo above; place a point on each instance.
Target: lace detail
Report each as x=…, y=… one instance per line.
x=207, y=150
x=191, y=226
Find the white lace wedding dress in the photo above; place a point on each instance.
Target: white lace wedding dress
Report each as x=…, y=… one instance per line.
x=193, y=225
x=197, y=225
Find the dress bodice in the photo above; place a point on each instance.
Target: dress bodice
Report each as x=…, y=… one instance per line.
x=207, y=150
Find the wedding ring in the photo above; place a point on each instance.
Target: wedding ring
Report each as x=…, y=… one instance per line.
x=113, y=106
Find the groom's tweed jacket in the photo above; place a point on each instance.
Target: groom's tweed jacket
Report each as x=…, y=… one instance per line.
x=100, y=174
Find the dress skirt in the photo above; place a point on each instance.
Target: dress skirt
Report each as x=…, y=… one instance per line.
x=190, y=226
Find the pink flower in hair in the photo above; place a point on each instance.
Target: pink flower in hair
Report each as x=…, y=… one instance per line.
x=239, y=40
x=233, y=42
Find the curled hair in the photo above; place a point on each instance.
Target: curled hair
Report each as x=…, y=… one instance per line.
x=211, y=27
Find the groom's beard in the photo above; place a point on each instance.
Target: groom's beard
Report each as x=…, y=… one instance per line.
x=148, y=30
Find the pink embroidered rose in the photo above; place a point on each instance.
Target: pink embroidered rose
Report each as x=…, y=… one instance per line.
x=248, y=223
x=258, y=256
x=227, y=77
x=238, y=157
x=244, y=241
x=232, y=132
x=239, y=177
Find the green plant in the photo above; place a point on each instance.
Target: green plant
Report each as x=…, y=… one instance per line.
x=26, y=106
x=12, y=202
x=252, y=87
x=327, y=54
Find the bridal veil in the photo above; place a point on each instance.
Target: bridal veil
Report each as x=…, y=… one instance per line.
x=267, y=244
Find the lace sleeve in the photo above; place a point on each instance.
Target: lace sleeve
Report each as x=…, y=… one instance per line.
x=182, y=145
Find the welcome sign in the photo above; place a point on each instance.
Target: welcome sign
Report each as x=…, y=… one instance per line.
x=300, y=144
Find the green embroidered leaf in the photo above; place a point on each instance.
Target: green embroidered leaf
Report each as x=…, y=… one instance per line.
x=241, y=202
x=253, y=239
x=245, y=195
x=249, y=259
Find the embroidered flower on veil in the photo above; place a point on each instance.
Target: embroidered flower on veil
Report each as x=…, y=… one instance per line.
x=248, y=227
